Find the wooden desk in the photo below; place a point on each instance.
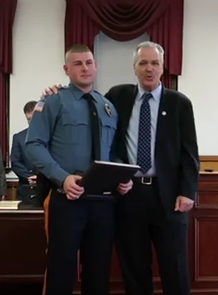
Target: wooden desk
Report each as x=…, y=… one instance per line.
x=23, y=244
x=12, y=189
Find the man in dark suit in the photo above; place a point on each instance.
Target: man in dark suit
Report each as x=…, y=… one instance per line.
x=156, y=130
x=21, y=166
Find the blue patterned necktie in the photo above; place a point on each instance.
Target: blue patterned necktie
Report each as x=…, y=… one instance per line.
x=144, y=136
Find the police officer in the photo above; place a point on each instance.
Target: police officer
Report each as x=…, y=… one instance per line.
x=20, y=164
x=62, y=123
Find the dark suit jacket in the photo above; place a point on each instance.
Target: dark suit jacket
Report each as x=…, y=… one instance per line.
x=176, y=151
x=21, y=166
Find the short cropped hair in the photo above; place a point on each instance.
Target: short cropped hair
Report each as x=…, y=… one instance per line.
x=77, y=48
x=29, y=106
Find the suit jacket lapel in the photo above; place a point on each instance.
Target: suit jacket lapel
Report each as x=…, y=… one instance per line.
x=127, y=108
x=125, y=115
x=162, y=117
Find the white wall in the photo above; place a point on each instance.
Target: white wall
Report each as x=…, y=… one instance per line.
x=114, y=61
x=38, y=43
x=38, y=54
x=199, y=78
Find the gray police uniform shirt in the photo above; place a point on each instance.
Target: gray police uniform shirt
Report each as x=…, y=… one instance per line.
x=59, y=136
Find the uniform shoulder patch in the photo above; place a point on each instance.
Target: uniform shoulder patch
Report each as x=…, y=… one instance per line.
x=39, y=106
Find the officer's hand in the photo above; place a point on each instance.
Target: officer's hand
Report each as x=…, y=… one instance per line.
x=32, y=179
x=72, y=190
x=183, y=204
x=123, y=188
x=51, y=90
x=2, y=198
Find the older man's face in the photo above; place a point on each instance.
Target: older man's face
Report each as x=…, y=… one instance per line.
x=148, y=68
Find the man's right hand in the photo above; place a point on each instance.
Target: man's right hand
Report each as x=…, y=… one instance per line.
x=72, y=190
x=32, y=179
x=51, y=90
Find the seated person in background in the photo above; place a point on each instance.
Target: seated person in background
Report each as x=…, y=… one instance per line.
x=21, y=166
x=3, y=185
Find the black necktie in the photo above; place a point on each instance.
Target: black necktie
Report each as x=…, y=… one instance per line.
x=94, y=120
x=144, y=137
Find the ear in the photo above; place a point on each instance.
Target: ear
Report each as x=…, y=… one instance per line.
x=134, y=68
x=95, y=64
x=162, y=69
x=65, y=67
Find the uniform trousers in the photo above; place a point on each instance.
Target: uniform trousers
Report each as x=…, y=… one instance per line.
x=85, y=224
x=141, y=222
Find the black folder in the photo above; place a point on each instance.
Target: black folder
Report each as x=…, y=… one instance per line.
x=102, y=177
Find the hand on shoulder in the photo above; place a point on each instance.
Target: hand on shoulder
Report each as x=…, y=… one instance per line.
x=51, y=90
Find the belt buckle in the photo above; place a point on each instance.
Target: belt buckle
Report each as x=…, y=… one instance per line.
x=146, y=182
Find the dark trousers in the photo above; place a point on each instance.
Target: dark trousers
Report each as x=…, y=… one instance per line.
x=85, y=224
x=140, y=221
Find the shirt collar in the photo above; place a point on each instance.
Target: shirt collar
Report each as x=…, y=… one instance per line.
x=156, y=93
x=78, y=93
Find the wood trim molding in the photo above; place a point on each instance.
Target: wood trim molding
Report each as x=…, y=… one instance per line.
x=209, y=158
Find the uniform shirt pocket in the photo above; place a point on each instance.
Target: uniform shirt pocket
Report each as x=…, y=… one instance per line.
x=108, y=128
x=75, y=129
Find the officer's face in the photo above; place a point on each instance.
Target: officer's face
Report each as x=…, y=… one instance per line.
x=148, y=68
x=81, y=68
x=28, y=116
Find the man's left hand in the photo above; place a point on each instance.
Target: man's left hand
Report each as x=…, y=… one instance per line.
x=123, y=188
x=183, y=204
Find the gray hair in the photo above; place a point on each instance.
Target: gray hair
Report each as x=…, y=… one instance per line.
x=149, y=44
